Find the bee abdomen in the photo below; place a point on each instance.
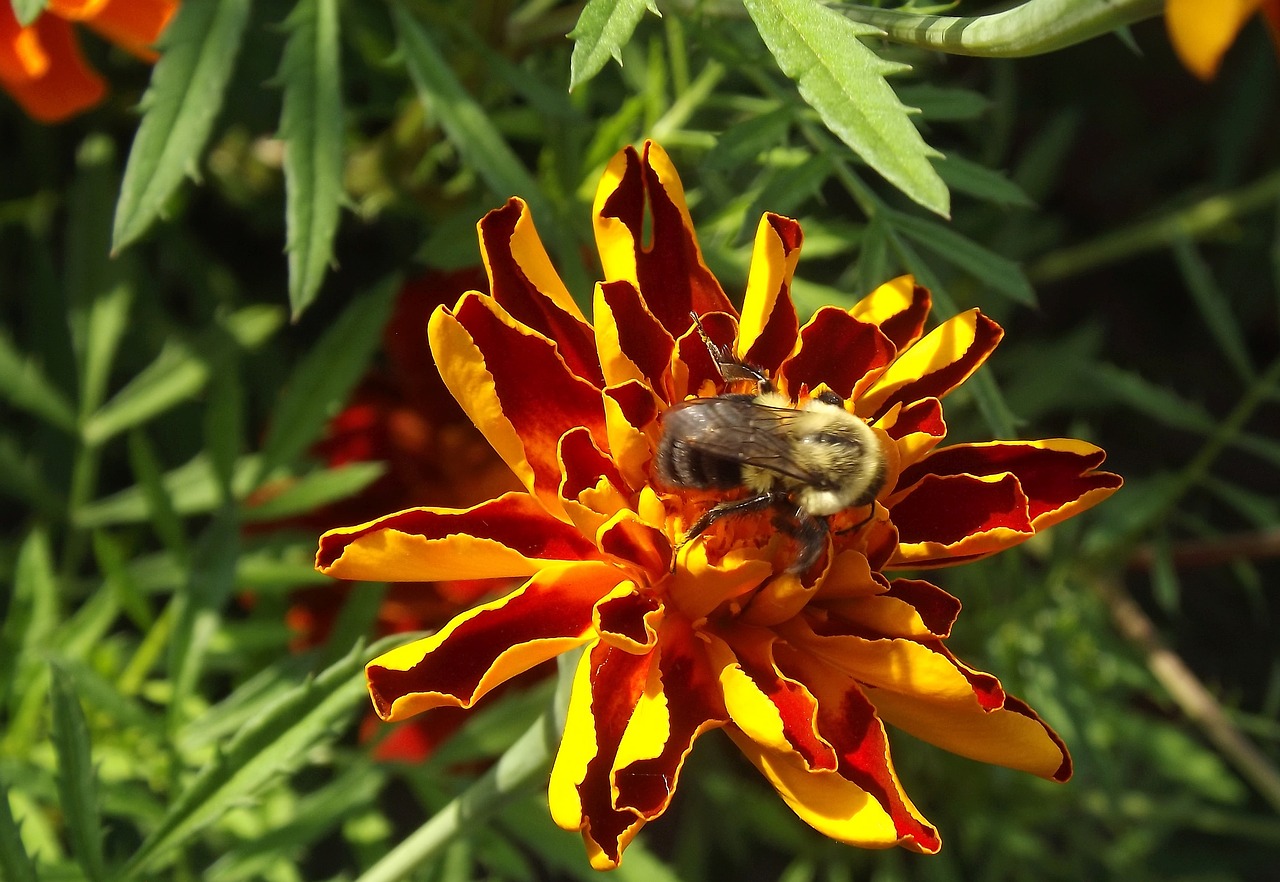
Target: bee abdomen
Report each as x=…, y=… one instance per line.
x=680, y=465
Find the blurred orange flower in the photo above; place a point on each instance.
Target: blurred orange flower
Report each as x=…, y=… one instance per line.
x=1202, y=30
x=41, y=65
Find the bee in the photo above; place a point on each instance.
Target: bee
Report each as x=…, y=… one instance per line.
x=806, y=463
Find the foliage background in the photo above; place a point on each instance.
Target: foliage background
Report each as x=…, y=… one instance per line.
x=158, y=723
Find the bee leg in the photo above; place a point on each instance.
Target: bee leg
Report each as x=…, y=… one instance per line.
x=811, y=536
x=725, y=509
x=730, y=366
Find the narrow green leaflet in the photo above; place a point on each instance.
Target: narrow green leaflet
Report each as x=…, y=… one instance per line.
x=26, y=11
x=198, y=52
x=1214, y=306
x=77, y=779
x=31, y=613
x=317, y=489
x=192, y=489
x=469, y=128
x=321, y=381
x=998, y=273
x=25, y=386
x=603, y=28
x=842, y=79
x=275, y=743
x=311, y=126
x=157, y=503
x=968, y=177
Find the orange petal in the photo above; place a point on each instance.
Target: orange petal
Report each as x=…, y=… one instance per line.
x=488, y=645
x=898, y=308
x=1012, y=735
x=934, y=366
x=42, y=68
x=1202, y=31
x=134, y=25
x=910, y=608
x=631, y=411
x=523, y=281
x=508, y=536
x=915, y=429
x=767, y=330
x=639, y=193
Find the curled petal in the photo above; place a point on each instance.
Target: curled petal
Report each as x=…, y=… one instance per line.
x=1011, y=735
x=508, y=536
x=499, y=371
x=667, y=265
x=910, y=608
x=1059, y=476
x=633, y=344
x=940, y=362
x=628, y=619
x=768, y=327
x=847, y=721
x=486, y=646
x=631, y=411
x=914, y=428
x=952, y=518
x=839, y=350
x=898, y=308
x=523, y=281
x=632, y=541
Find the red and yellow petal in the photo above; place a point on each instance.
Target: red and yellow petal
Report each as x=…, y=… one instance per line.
x=526, y=285
x=910, y=608
x=840, y=351
x=667, y=264
x=1011, y=735
x=486, y=646
x=504, y=537
x=633, y=343
x=768, y=327
x=899, y=308
x=515, y=387
x=946, y=357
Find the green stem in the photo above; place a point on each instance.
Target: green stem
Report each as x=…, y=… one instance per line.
x=1194, y=221
x=1030, y=28
x=514, y=775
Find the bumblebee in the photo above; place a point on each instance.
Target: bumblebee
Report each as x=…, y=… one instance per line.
x=806, y=463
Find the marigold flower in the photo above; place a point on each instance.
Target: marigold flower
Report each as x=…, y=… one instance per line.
x=801, y=670
x=1203, y=30
x=41, y=65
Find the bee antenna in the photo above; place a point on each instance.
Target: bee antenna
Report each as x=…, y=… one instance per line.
x=731, y=367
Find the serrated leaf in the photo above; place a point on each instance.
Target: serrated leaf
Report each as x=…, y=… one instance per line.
x=325, y=377
x=27, y=11
x=968, y=177
x=317, y=489
x=25, y=386
x=603, y=28
x=844, y=80
x=311, y=126
x=198, y=52
x=77, y=779
x=15, y=864
x=469, y=128
x=273, y=744
x=999, y=273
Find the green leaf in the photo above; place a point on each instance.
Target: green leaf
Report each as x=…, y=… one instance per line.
x=317, y=489
x=99, y=289
x=603, y=28
x=27, y=11
x=192, y=488
x=742, y=143
x=77, y=780
x=324, y=378
x=844, y=80
x=15, y=864
x=156, y=500
x=1214, y=307
x=21, y=478
x=999, y=273
x=311, y=126
x=111, y=563
x=25, y=386
x=942, y=104
x=199, y=50
x=968, y=177
x=177, y=374
x=273, y=744
x=466, y=123
x=31, y=613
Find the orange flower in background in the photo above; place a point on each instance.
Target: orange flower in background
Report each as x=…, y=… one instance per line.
x=1203, y=30
x=678, y=637
x=402, y=415
x=41, y=65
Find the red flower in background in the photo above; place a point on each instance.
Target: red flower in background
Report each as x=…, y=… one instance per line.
x=41, y=65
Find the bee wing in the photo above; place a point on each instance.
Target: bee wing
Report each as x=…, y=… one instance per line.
x=742, y=430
